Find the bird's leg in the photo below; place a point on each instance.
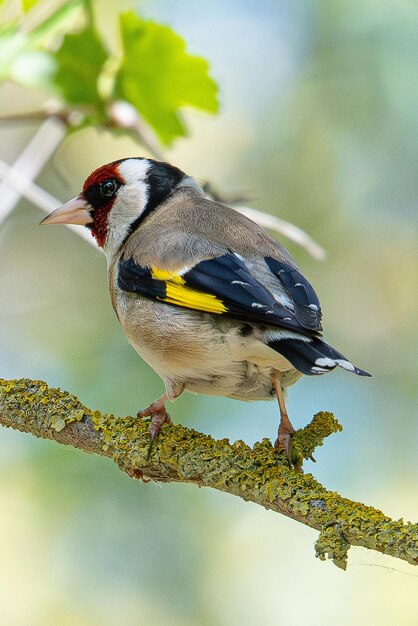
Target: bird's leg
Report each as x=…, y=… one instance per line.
x=286, y=430
x=158, y=412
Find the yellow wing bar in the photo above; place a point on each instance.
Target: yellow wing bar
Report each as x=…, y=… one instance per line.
x=178, y=293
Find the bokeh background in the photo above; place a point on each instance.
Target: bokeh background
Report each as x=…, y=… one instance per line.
x=318, y=125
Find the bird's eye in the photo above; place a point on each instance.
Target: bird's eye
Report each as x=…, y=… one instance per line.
x=109, y=187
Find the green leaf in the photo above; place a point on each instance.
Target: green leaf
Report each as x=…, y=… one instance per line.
x=60, y=21
x=28, y=4
x=79, y=63
x=15, y=45
x=158, y=76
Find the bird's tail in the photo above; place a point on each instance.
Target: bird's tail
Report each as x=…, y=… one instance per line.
x=313, y=356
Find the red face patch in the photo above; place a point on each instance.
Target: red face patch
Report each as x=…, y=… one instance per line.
x=110, y=170
x=97, y=190
x=99, y=226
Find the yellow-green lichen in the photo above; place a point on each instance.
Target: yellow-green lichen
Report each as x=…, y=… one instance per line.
x=33, y=401
x=332, y=544
x=307, y=439
x=261, y=474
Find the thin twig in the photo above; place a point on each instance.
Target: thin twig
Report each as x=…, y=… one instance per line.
x=31, y=161
x=38, y=196
x=125, y=116
x=292, y=232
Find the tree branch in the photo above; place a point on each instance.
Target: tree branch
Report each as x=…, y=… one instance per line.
x=257, y=474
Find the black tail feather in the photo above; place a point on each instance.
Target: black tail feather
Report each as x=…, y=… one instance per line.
x=313, y=356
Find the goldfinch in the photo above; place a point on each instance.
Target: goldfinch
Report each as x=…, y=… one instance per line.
x=204, y=295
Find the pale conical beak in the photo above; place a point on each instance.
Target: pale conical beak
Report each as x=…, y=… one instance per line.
x=75, y=211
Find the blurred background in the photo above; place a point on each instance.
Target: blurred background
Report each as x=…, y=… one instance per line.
x=318, y=125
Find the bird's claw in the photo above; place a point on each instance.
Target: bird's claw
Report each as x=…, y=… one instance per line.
x=284, y=442
x=159, y=417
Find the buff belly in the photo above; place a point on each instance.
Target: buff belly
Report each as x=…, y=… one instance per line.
x=208, y=354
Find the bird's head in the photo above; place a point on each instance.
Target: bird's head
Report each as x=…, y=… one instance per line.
x=117, y=197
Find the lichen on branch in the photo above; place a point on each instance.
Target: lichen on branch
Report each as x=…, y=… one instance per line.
x=257, y=474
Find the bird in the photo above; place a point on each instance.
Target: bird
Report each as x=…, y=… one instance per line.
x=206, y=296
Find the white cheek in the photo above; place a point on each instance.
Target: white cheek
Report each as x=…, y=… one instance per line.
x=130, y=202
x=128, y=206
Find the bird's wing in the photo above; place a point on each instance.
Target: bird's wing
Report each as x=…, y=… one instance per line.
x=225, y=285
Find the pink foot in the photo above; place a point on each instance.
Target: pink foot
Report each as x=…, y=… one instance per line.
x=159, y=417
x=284, y=440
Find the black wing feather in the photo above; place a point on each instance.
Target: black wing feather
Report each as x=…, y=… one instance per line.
x=226, y=277
x=134, y=278
x=307, y=307
x=229, y=279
